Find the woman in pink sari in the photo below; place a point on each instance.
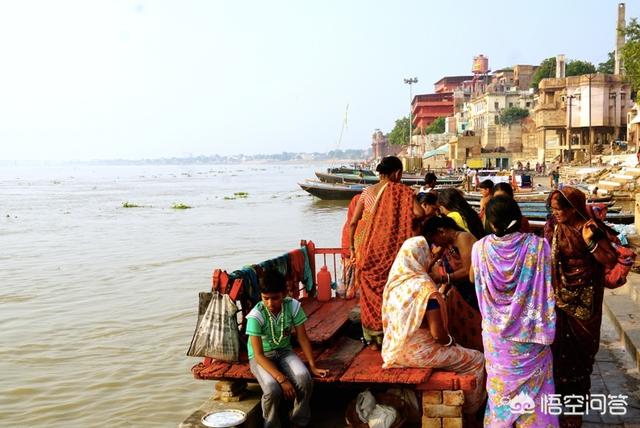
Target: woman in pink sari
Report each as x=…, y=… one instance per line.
x=512, y=274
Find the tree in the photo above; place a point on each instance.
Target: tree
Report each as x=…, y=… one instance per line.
x=400, y=133
x=631, y=53
x=436, y=127
x=608, y=66
x=577, y=67
x=511, y=115
x=547, y=69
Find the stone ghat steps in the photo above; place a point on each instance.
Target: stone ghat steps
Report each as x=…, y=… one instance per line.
x=622, y=305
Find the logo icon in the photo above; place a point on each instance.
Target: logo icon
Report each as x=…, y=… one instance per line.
x=521, y=404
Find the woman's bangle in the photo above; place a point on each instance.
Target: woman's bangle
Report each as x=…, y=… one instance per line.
x=595, y=247
x=591, y=245
x=284, y=379
x=450, y=341
x=448, y=279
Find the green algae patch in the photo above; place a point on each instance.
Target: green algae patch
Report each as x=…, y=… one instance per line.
x=181, y=206
x=128, y=204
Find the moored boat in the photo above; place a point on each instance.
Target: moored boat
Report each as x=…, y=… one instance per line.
x=332, y=191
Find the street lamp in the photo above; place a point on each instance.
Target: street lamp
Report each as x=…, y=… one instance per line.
x=410, y=81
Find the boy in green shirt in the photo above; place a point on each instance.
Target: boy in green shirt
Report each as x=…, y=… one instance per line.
x=278, y=369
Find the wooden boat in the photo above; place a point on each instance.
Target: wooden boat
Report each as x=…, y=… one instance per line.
x=612, y=217
x=366, y=176
x=534, y=197
x=332, y=191
x=348, y=175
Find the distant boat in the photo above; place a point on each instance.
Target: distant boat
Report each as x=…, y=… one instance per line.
x=332, y=191
x=535, y=197
x=366, y=176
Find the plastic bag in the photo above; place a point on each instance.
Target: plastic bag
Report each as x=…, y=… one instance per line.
x=216, y=335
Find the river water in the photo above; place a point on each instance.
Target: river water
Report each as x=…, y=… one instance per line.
x=98, y=302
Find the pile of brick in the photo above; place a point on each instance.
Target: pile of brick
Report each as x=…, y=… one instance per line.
x=442, y=409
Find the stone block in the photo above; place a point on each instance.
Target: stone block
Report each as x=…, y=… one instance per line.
x=431, y=397
x=441, y=411
x=453, y=398
x=451, y=422
x=230, y=386
x=431, y=422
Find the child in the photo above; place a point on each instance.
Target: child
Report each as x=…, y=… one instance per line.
x=278, y=370
x=486, y=188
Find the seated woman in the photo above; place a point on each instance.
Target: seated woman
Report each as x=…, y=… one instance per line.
x=414, y=319
x=452, y=270
x=453, y=205
x=512, y=273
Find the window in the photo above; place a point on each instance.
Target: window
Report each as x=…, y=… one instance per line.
x=510, y=104
x=496, y=105
x=496, y=119
x=528, y=104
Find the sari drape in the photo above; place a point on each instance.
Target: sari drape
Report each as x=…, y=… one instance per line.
x=516, y=299
x=388, y=225
x=578, y=281
x=405, y=343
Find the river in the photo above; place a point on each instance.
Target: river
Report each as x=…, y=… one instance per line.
x=98, y=302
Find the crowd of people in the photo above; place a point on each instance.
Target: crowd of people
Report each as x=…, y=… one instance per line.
x=443, y=287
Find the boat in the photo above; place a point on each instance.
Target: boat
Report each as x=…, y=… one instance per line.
x=535, y=196
x=348, y=175
x=332, y=191
x=366, y=176
x=612, y=217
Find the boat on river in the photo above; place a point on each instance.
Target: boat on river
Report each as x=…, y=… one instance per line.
x=367, y=176
x=332, y=191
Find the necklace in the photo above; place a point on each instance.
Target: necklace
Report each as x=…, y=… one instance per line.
x=273, y=321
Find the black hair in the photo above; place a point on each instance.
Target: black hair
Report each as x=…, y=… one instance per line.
x=504, y=214
x=431, y=226
x=273, y=282
x=430, y=178
x=503, y=187
x=453, y=200
x=388, y=165
x=486, y=184
x=429, y=198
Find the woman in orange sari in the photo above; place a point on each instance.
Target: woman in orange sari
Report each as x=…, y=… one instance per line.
x=382, y=221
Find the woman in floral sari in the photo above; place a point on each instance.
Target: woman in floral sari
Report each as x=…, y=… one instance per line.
x=580, y=252
x=512, y=275
x=414, y=318
x=383, y=219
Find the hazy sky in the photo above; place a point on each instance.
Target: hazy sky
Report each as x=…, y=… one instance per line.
x=146, y=79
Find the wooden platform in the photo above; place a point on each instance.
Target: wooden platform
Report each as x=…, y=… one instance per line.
x=347, y=359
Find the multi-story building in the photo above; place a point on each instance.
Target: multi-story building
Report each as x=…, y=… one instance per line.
x=380, y=146
x=482, y=115
x=428, y=107
x=577, y=115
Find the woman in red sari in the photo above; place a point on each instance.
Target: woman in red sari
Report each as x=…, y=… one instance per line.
x=382, y=221
x=580, y=251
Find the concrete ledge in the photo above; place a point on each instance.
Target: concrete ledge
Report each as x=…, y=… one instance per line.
x=622, y=307
x=250, y=404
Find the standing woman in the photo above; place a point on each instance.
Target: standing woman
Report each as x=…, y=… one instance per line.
x=512, y=273
x=580, y=252
x=453, y=205
x=452, y=271
x=382, y=221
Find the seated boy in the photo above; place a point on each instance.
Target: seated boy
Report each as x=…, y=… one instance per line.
x=278, y=370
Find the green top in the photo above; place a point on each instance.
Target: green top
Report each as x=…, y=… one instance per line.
x=275, y=331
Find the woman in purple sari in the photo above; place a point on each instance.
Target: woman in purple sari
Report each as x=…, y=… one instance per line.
x=512, y=275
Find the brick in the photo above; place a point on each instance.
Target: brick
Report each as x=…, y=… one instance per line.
x=431, y=422
x=229, y=386
x=451, y=422
x=431, y=397
x=217, y=396
x=442, y=411
x=453, y=398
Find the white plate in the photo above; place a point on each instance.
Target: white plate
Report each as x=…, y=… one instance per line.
x=224, y=418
